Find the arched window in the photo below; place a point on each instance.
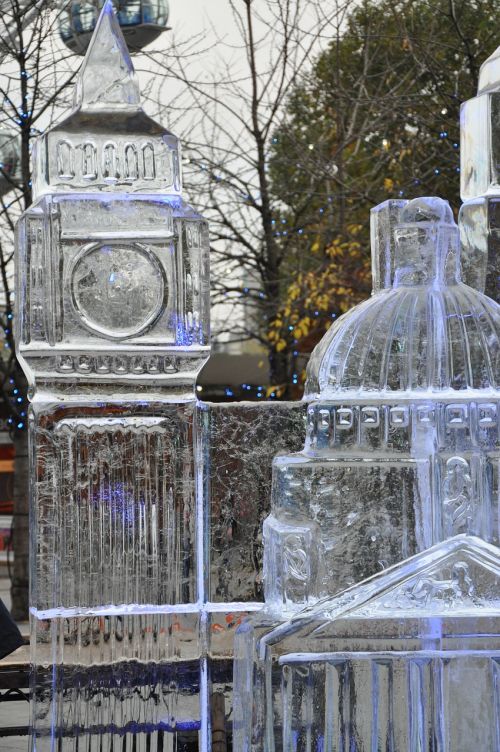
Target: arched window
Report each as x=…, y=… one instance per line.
x=65, y=160
x=148, y=161
x=131, y=162
x=110, y=167
x=89, y=161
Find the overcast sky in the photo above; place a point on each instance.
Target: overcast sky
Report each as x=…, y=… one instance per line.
x=187, y=16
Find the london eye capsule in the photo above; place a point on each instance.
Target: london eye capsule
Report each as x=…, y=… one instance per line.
x=141, y=21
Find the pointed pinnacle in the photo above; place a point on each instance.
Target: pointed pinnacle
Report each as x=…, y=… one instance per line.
x=107, y=77
x=489, y=73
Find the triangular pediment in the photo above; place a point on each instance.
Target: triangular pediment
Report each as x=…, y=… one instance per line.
x=460, y=576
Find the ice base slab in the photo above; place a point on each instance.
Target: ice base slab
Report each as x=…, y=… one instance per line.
x=241, y=439
x=124, y=682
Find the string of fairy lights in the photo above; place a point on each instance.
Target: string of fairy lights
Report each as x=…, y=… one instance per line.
x=17, y=395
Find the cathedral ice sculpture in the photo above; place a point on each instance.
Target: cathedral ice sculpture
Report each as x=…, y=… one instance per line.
x=401, y=456
x=113, y=316
x=407, y=660
x=402, y=439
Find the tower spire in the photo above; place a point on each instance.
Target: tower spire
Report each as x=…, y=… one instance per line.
x=107, y=76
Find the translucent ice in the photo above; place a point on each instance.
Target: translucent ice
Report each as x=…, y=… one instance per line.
x=108, y=78
x=407, y=660
x=384, y=218
x=479, y=182
x=400, y=459
x=402, y=435
x=479, y=143
x=489, y=73
x=107, y=143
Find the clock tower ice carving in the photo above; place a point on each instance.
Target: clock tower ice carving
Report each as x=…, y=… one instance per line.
x=113, y=328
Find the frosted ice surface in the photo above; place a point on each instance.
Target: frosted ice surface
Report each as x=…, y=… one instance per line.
x=398, y=471
x=479, y=143
x=118, y=575
x=241, y=439
x=479, y=182
x=107, y=143
x=107, y=79
x=132, y=678
x=383, y=219
x=112, y=330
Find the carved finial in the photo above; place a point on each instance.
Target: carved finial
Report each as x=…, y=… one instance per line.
x=107, y=77
x=489, y=74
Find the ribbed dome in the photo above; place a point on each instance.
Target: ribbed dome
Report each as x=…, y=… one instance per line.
x=428, y=332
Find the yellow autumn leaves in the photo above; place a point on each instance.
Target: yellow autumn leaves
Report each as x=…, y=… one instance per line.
x=316, y=297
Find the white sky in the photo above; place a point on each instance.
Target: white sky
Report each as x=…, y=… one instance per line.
x=188, y=16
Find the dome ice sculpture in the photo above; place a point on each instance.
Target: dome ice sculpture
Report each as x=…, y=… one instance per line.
x=402, y=438
x=426, y=333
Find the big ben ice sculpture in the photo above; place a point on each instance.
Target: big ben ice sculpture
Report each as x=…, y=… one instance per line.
x=113, y=316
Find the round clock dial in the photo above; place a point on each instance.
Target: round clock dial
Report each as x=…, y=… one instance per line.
x=118, y=289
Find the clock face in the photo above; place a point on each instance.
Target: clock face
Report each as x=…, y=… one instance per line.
x=119, y=290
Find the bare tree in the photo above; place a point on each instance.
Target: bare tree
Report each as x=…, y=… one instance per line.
x=234, y=111
x=380, y=107
x=36, y=72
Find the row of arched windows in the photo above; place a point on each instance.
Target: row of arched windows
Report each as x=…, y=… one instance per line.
x=117, y=161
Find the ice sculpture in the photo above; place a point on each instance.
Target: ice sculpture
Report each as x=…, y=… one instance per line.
x=401, y=455
x=113, y=317
x=479, y=218
x=402, y=438
x=407, y=660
